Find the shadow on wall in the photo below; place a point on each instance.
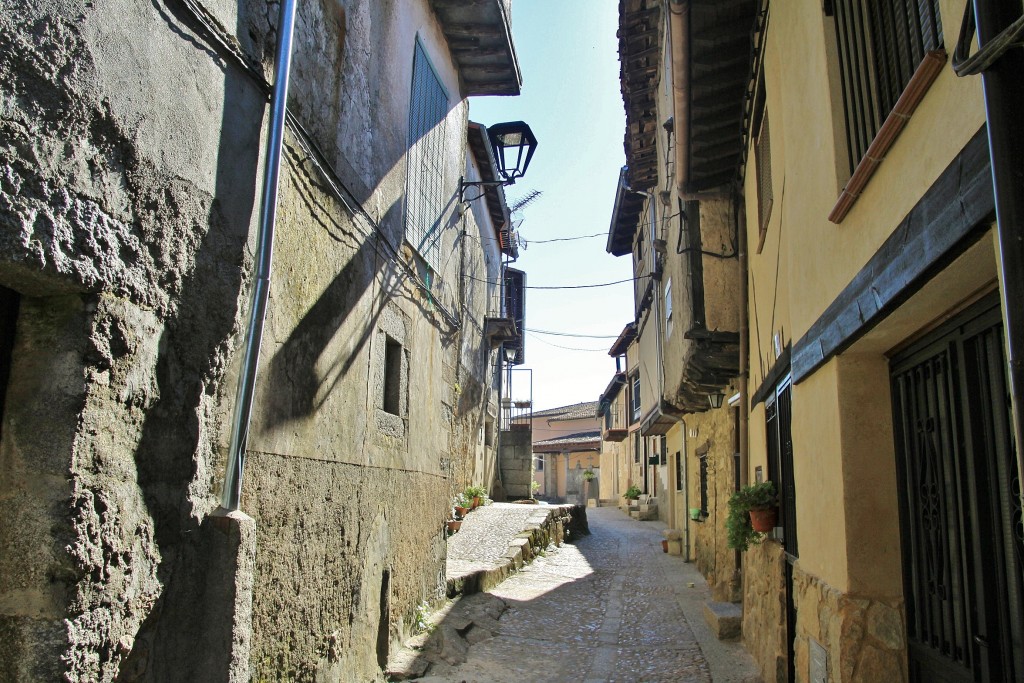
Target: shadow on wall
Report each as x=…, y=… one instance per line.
x=176, y=466
x=194, y=350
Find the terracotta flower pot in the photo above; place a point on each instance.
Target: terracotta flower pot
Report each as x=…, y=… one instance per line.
x=763, y=520
x=454, y=525
x=476, y=502
x=664, y=546
x=461, y=511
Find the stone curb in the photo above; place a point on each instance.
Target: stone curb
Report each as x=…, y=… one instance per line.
x=547, y=526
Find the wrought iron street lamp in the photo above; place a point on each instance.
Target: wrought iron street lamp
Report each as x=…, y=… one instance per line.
x=513, y=145
x=715, y=399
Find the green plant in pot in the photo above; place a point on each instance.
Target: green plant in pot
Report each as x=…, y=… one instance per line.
x=589, y=474
x=632, y=493
x=751, y=501
x=476, y=494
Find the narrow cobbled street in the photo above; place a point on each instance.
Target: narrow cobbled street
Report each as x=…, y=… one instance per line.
x=609, y=607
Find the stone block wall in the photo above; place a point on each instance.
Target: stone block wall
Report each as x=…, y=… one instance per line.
x=864, y=638
x=515, y=461
x=764, y=609
x=715, y=436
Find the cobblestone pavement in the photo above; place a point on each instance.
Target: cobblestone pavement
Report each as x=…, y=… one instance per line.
x=611, y=607
x=484, y=537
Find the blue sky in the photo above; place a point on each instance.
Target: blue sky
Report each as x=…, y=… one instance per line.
x=568, y=54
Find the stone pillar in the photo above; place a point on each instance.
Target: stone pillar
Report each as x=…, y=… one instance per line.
x=230, y=548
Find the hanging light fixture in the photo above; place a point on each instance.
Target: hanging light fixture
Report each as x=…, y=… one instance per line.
x=510, y=353
x=715, y=399
x=513, y=145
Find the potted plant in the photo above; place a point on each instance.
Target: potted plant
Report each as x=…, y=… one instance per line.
x=632, y=493
x=695, y=514
x=756, y=500
x=476, y=494
x=462, y=505
x=453, y=525
x=589, y=474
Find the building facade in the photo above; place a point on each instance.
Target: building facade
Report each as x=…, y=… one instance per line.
x=683, y=244
x=131, y=146
x=566, y=443
x=832, y=188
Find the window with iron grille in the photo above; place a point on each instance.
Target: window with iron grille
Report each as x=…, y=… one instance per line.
x=765, y=197
x=634, y=397
x=704, y=484
x=679, y=470
x=428, y=107
x=880, y=45
x=762, y=159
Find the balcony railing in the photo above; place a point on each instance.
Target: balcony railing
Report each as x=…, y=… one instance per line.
x=517, y=400
x=614, y=426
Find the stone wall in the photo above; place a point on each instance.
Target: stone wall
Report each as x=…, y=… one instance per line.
x=764, y=609
x=864, y=638
x=131, y=157
x=715, y=437
x=515, y=461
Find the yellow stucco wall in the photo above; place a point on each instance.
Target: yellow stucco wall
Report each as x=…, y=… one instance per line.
x=842, y=443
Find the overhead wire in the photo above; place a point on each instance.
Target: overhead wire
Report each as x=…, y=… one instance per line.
x=590, y=286
x=572, y=334
x=567, y=348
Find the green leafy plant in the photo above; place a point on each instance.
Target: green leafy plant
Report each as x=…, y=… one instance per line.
x=421, y=618
x=632, y=493
x=589, y=474
x=472, y=492
x=534, y=486
x=740, y=535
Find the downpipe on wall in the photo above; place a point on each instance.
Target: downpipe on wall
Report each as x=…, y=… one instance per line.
x=232, y=493
x=1004, y=114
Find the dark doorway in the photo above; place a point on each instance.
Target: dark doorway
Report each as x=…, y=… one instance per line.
x=9, y=304
x=960, y=513
x=779, y=420
x=384, y=621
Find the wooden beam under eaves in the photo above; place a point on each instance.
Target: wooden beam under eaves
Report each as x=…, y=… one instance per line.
x=726, y=32
x=473, y=30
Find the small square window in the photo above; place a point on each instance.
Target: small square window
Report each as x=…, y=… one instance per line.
x=392, y=377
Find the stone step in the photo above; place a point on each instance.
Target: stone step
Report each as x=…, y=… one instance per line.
x=725, y=619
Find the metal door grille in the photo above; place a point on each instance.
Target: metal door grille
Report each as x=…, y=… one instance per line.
x=880, y=44
x=960, y=514
x=925, y=399
x=778, y=418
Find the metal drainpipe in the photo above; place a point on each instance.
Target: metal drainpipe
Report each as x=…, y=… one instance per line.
x=1004, y=113
x=685, y=455
x=744, y=387
x=232, y=494
x=744, y=426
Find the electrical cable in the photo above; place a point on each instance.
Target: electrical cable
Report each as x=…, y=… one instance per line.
x=572, y=334
x=227, y=47
x=567, y=348
x=568, y=239
x=599, y=284
x=966, y=64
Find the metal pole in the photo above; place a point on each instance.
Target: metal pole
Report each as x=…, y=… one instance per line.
x=232, y=494
x=1004, y=108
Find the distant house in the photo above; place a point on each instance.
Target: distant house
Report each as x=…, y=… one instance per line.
x=566, y=442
